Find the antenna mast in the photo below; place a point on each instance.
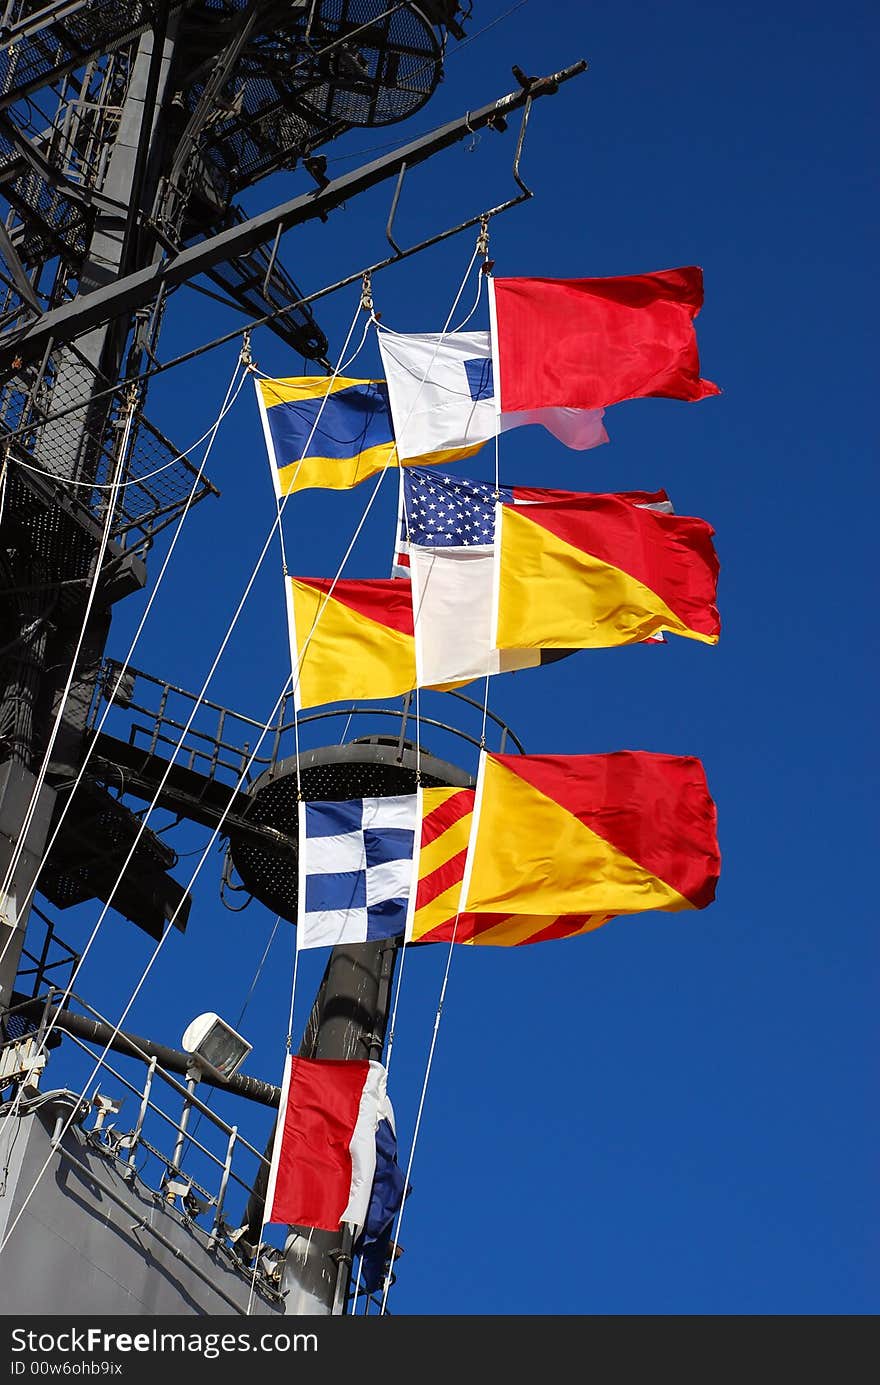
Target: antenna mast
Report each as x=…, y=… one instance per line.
x=128, y=129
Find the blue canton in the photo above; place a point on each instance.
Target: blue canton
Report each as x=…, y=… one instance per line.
x=444, y=512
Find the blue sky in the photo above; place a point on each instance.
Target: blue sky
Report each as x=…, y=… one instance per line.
x=676, y=1114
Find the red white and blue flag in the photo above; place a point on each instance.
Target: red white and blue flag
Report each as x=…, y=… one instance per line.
x=446, y=545
x=324, y=1157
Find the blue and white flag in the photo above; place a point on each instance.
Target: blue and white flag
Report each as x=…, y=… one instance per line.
x=373, y=1245
x=442, y=396
x=355, y=869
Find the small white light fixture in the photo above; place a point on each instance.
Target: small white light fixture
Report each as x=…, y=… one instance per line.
x=215, y=1046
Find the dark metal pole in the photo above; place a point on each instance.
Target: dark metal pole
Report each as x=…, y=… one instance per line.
x=348, y=1020
x=171, y=1059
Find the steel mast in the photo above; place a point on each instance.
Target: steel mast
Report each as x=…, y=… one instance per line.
x=163, y=113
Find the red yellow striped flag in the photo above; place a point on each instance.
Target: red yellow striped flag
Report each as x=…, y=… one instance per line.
x=595, y=571
x=350, y=640
x=446, y=816
x=614, y=834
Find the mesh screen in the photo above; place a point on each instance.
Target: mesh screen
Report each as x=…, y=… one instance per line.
x=99, y=27
x=83, y=445
x=292, y=90
x=96, y=845
x=52, y=223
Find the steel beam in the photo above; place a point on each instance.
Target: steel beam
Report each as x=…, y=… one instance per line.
x=91, y=310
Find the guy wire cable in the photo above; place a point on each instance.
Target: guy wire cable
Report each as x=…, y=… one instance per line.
x=186, y=728
x=216, y=831
x=168, y=929
x=93, y=589
x=477, y=250
x=419, y=1115
x=176, y=751
x=212, y=431
x=366, y=300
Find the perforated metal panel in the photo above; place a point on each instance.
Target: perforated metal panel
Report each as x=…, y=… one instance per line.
x=58, y=41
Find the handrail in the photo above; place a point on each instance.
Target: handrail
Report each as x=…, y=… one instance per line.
x=221, y=753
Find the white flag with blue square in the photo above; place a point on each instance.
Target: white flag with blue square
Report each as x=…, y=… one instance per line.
x=441, y=390
x=355, y=869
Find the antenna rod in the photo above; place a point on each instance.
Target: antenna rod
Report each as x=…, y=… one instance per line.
x=123, y=296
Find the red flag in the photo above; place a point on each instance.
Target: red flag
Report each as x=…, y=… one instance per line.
x=324, y=1156
x=587, y=343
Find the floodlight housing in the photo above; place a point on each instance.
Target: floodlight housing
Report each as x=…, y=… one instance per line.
x=215, y=1046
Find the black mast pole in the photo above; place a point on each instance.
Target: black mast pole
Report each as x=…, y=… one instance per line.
x=348, y=1020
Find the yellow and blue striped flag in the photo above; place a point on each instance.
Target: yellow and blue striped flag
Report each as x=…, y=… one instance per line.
x=335, y=446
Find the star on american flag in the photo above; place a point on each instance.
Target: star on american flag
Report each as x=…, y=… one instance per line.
x=444, y=512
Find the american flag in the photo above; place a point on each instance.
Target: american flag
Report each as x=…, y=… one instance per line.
x=436, y=510
x=440, y=511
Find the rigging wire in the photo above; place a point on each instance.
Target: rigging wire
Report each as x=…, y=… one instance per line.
x=114, y=487
x=108, y=485
x=488, y=670
x=366, y=302
x=479, y=248
x=147, y=969
x=241, y=1014
x=225, y=812
x=228, y=402
x=412, y=1151
x=466, y=320
x=288, y=1046
x=337, y=370
x=180, y=742
x=280, y=504
x=452, y=52
x=62, y=705
x=184, y=733
x=261, y=321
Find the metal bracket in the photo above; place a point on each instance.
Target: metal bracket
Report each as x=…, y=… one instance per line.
x=524, y=194
x=393, y=212
x=271, y=265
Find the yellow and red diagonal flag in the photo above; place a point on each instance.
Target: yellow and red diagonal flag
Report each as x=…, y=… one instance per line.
x=598, y=834
x=351, y=639
x=446, y=817
x=594, y=571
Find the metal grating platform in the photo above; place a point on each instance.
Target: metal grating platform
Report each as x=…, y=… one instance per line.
x=315, y=73
x=52, y=224
x=65, y=546
x=92, y=848
x=45, y=40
